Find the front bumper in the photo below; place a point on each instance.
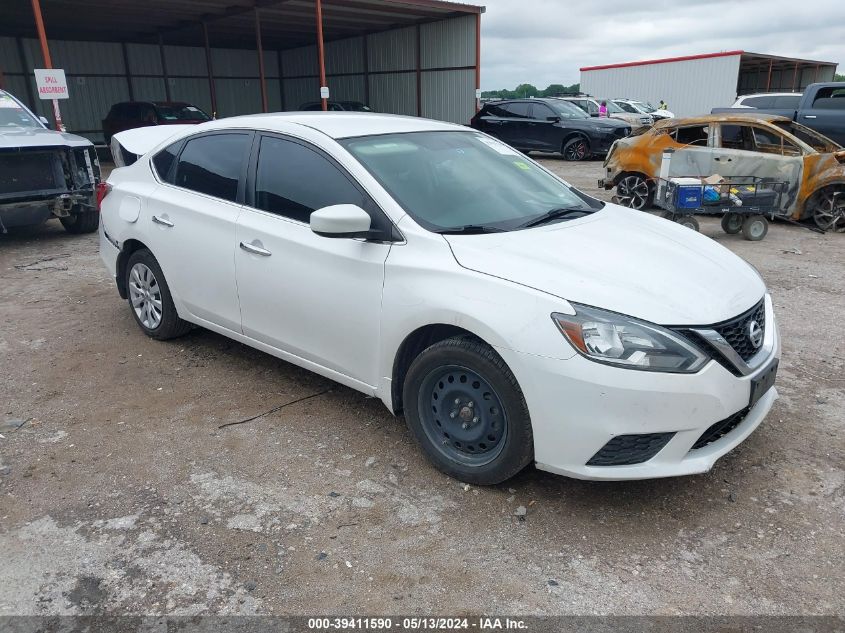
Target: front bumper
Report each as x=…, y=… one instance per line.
x=577, y=406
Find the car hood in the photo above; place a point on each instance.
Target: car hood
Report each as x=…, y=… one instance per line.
x=621, y=260
x=26, y=137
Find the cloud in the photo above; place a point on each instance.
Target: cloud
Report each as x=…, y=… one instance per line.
x=547, y=41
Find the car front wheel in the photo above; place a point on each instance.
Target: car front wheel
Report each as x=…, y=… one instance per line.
x=467, y=412
x=576, y=149
x=149, y=298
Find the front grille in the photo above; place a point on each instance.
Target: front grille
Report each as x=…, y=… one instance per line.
x=624, y=450
x=735, y=331
x=720, y=429
x=30, y=171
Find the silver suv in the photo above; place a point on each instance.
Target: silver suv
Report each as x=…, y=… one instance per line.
x=591, y=105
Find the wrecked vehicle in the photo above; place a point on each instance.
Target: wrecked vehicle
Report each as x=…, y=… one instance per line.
x=438, y=269
x=736, y=146
x=44, y=174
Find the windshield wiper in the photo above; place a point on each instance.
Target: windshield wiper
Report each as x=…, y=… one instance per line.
x=470, y=229
x=554, y=214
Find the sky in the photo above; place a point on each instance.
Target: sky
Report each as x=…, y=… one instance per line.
x=546, y=41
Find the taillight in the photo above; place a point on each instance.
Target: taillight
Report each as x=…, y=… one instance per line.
x=103, y=189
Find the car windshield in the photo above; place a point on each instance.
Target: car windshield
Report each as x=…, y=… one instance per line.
x=640, y=107
x=355, y=106
x=13, y=114
x=810, y=137
x=181, y=112
x=567, y=110
x=612, y=107
x=450, y=181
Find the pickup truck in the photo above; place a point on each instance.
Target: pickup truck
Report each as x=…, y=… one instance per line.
x=44, y=174
x=822, y=108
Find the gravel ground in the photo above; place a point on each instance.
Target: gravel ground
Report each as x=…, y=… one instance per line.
x=119, y=493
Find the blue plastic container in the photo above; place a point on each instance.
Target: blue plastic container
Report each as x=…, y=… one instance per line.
x=688, y=197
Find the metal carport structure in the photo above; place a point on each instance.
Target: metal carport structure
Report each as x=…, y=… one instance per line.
x=418, y=57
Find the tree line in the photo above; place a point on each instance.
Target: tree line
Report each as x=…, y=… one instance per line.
x=523, y=91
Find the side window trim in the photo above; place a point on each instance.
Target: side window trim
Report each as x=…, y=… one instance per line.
x=371, y=206
x=171, y=173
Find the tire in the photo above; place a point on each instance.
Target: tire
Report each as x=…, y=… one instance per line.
x=688, y=221
x=465, y=409
x=635, y=191
x=146, y=286
x=668, y=215
x=754, y=228
x=81, y=220
x=828, y=208
x=732, y=223
x=575, y=149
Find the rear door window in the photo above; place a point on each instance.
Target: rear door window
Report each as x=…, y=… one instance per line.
x=212, y=164
x=494, y=110
x=517, y=110
x=542, y=112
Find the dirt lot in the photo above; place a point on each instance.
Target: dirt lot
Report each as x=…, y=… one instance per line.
x=120, y=493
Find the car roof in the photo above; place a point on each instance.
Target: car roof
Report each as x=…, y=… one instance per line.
x=336, y=125
x=769, y=94
x=722, y=118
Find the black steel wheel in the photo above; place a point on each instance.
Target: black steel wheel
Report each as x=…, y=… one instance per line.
x=634, y=191
x=732, y=223
x=576, y=149
x=467, y=412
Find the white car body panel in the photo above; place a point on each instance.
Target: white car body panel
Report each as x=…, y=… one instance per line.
x=343, y=307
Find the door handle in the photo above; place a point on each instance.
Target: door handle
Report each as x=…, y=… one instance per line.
x=163, y=221
x=719, y=159
x=255, y=250
x=809, y=116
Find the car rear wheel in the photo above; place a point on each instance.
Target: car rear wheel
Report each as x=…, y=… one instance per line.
x=465, y=409
x=149, y=298
x=635, y=191
x=828, y=209
x=754, y=228
x=576, y=149
x=732, y=223
x=81, y=220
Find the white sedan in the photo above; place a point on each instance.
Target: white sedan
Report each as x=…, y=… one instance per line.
x=512, y=318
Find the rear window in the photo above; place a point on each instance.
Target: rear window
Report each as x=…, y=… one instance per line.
x=764, y=101
x=182, y=112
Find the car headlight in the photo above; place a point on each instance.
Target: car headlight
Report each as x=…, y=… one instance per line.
x=607, y=337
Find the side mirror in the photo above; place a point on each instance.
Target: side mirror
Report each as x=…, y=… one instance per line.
x=595, y=114
x=553, y=119
x=46, y=123
x=341, y=220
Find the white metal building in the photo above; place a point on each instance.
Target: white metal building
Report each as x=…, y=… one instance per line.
x=695, y=84
x=415, y=57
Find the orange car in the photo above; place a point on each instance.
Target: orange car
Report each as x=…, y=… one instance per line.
x=736, y=146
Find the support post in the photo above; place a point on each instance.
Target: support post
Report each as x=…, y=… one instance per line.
x=210, y=68
x=164, y=67
x=127, y=72
x=45, y=53
x=794, y=76
x=477, y=61
x=262, y=80
x=281, y=81
x=366, y=71
x=419, y=71
x=321, y=54
x=769, y=80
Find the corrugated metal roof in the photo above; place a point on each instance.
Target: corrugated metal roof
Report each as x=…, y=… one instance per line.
x=231, y=23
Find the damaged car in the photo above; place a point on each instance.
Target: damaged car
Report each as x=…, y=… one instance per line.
x=44, y=174
x=733, y=146
x=440, y=270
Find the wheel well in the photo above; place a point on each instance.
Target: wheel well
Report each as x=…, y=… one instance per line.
x=129, y=247
x=413, y=345
x=573, y=135
x=624, y=174
x=811, y=199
